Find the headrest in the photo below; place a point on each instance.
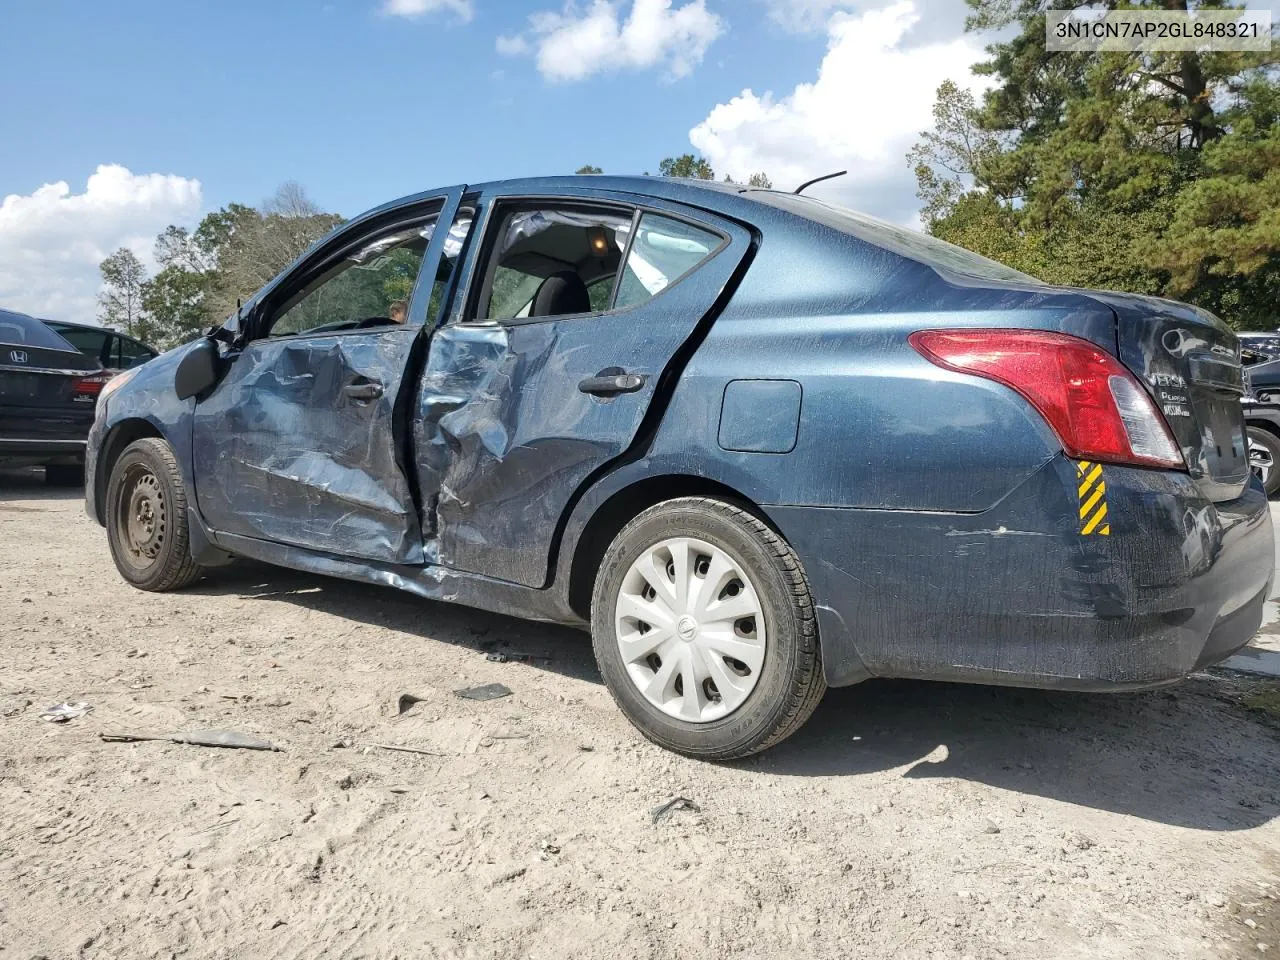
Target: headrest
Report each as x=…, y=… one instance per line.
x=561, y=294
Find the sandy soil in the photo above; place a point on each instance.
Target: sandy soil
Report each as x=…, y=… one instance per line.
x=905, y=820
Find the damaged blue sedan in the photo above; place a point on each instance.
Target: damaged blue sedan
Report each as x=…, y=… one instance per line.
x=757, y=443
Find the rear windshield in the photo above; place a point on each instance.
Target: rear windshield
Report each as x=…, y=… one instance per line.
x=899, y=240
x=30, y=332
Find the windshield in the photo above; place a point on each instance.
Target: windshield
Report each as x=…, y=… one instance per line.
x=899, y=240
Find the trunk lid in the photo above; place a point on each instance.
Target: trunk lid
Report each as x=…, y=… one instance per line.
x=38, y=391
x=1189, y=361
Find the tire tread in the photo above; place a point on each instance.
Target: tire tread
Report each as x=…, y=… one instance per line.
x=179, y=569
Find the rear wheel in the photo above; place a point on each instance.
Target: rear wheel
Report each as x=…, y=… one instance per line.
x=146, y=513
x=704, y=630
x=1264, y=458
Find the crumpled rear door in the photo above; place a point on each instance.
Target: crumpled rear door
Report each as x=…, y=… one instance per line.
x=506, y=435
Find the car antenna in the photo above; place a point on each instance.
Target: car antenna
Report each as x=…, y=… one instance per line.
x=809, y=183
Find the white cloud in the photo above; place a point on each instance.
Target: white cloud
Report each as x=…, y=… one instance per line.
x=872, y=98
x=52, y=240
x=573, y=44
x=804, y=15
x=462, y=9
x=513, y=46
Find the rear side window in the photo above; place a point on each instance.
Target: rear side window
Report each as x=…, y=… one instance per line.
x=88, y=342
x=555, y=262
x=664, y=250
x=18, y=328
x=126, y=353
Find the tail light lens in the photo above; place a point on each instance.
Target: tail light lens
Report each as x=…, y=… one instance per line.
x=86, y=389
x=1094, y=405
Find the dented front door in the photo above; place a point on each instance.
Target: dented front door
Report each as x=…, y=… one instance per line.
x=300, y=443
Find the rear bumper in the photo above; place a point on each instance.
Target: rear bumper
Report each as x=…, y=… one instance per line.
x=34, y=451
x=1017, y=595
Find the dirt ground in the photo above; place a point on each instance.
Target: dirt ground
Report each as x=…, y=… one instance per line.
x=906, y=819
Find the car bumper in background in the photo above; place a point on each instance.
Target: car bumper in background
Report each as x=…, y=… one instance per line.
x=1018, y=595
x=35, y=451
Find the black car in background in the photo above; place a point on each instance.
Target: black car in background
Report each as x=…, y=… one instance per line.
x=1263, y=381
x=1258, y=347
x=1261, y=404
x=114, y=351
x=48, y=391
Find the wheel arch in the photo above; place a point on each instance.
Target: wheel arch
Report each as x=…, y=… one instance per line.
x=624, y=505
x=116, y=442
x=1263, y=423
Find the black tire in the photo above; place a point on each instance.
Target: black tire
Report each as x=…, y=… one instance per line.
x=791, y=681
x=64, y=474
x=146, y=478
x=1269, y=446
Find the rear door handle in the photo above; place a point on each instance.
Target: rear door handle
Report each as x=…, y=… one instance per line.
x=364, y=390
x=612, y=384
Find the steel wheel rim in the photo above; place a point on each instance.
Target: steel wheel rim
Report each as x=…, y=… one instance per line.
x=691, y=630
x=142, y=515
x=1261, y=461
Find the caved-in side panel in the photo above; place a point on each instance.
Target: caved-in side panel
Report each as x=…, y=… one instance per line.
x=511, y=421
x=284, y=452
x=505, y=438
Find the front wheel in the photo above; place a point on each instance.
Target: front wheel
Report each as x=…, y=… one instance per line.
x=1264, y=458
x=704, y=630
x=146, y=514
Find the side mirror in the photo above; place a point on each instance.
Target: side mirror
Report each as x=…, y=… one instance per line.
x=197, y=371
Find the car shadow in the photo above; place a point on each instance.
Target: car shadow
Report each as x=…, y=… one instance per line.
x=29, y=484
x=560, y=649
x=1186, y=755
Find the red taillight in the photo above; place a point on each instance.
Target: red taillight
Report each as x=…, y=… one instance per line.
x=1094, y=405
x=88, y=388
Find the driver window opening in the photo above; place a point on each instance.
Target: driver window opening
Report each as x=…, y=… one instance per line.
x=555, y=262
x=369, y=287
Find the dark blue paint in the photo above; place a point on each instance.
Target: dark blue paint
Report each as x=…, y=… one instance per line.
x=281, y=453
x=506, y=439
x=934, y=513
x=760, y=416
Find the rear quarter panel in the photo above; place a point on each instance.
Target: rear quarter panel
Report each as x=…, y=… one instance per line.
x=879, y=426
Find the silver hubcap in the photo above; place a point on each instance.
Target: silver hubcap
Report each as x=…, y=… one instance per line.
x=691, y=630
x=1261, y=461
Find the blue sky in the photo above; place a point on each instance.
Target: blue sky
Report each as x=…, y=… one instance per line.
x=119, y=118
x=357, y=105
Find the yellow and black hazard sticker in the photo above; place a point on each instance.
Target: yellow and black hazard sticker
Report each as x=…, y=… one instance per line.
x=1093, y=499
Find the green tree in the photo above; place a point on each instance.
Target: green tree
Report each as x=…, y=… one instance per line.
x=228, y=257
x=687, y=166
x=1152, y=172
x=760, y=181
x=120, y=302
x=250, y=246
x=174, y=303
x=588, y=170
x=953, y=155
